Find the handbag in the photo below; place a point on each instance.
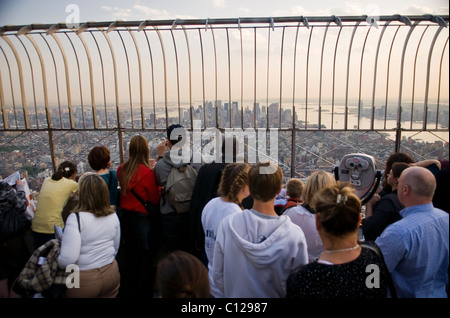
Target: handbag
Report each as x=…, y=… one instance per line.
x=148, y=205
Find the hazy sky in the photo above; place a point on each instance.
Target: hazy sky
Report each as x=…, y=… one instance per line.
x=21, y=12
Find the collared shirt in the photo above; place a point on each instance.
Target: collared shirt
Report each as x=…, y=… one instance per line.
x=416, y=251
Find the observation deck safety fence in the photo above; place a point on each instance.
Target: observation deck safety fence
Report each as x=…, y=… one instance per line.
x=328, y=85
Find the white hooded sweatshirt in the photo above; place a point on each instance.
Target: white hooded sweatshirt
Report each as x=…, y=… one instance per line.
x=255, y=254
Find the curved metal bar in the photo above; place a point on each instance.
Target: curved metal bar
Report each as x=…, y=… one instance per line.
x=375, y=73
x=427, y=88
x=268, y=71
x=439, y=84
x=66, y=68
x=229, y=77
x=281, y=76
x=32, y=81
x=165, y=74
x=79, y=80
x=254, y=88
x=141, y=93
x=348, y=75
x=387, y=75
x=203, y=78
x=360, y=76
x=44, y=80
x=153, y=79
x=190, y=72
x=22, y=88
x=129, y=78
x=47, y=111
x=56, y=79
x=103, y=77
x=414, y=76
x=116, y=90
x=242, y=76
x=307, y=76
x=178, y=75
x=402, y=65
x=2, y=96
x=334, y=77
x=215, y=68
x=91, y=79
x=321, y=75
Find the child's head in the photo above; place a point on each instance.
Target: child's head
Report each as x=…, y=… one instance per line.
x=99, y=158
x=233, y=180
x=182, y=275
x=294, y=188
x=265, y=187
x=338, y=209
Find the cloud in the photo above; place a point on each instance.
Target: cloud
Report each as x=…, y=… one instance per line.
x=219, y=3
x=244, y=9
x=141, y=12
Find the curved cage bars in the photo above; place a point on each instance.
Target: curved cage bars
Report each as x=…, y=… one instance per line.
x=388, y=75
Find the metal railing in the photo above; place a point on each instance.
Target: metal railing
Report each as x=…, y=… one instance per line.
x=326, y=83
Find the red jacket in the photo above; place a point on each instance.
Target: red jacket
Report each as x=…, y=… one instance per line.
x=144, y=184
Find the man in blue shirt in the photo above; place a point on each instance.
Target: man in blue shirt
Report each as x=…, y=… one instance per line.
x=416, y=248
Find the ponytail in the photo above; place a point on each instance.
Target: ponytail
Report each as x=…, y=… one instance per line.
x=66, y=169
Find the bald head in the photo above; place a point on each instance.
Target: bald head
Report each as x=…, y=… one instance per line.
x=416, y=186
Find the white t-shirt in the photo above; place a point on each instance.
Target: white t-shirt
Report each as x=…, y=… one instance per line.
x=307, y=222
x=95, y=246
x=213, y=213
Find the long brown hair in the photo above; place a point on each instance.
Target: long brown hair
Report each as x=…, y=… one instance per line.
x=139, y=153
x=93, y=195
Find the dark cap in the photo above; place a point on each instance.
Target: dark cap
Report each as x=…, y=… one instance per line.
x=169, y=132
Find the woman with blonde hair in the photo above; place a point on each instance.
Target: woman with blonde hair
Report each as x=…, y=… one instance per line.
x=233, y=188
x=303, y=215
x=91, y=240
x=137, y=178
x=341, y=271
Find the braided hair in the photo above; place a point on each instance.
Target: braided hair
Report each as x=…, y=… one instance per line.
x=234, y=178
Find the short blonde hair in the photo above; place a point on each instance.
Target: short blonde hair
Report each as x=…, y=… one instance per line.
x=315, y=183
x=93, y=195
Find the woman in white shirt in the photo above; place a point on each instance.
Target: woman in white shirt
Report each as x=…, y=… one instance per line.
x=304, y=215
x=93, y=242
x=233, y=188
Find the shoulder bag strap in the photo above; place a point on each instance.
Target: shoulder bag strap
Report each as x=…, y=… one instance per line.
x=138, y=197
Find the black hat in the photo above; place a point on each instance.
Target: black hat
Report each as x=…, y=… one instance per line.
x=169, y=132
